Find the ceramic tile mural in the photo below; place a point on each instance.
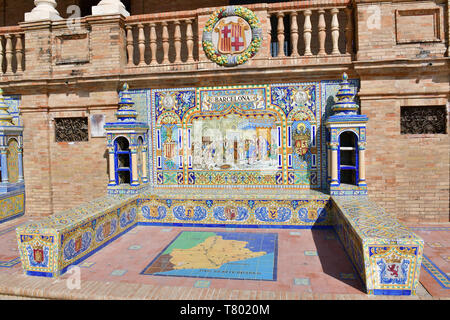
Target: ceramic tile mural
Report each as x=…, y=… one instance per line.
x=261, y=135
x=12, y=204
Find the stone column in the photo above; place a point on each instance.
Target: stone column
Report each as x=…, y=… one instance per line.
x=43, y=10
x=4, y=164
x=134, y=170
x=362, y=164
x=112, y=168
x=110, y=7
x=307, y=30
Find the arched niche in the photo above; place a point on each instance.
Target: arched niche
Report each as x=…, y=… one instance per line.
x=348, y=158
x=122, y=157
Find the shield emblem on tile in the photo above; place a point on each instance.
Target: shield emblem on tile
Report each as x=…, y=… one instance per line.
x=230, y=213
x=154, y=212
x=231, y=36
x=78, y=243
x=38, y=255
x=106, y=229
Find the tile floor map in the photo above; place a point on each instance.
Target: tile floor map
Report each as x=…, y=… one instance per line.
x=224, y=255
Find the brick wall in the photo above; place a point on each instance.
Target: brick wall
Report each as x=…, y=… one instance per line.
x=406, y=174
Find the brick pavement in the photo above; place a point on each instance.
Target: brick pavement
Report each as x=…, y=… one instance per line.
x=325, y=275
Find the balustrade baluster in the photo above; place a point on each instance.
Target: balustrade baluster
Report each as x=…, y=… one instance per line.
x=269, y=33
x=177, y=42
x=165, y=41
x=335, y=31
x=2, y=54
x=307, y=30
x=130, y=44
x=19, y=53
x=189, y=40
x=9, y=53
x=280, y=34
x=349, y=31
x=152, y=40
x=322, y=32
x=294, y=34
x=141, y=40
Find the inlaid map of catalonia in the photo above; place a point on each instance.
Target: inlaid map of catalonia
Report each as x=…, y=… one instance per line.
x=231, y=255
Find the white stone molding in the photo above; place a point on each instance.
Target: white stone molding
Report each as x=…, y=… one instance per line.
x=43, y=10
x=109, y=7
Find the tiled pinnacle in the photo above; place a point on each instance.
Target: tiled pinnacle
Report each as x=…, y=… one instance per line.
x=345, y=103
x=126, y=111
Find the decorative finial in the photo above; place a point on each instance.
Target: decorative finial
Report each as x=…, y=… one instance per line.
x=344, y=98
x=126, y=111
x=345, y=77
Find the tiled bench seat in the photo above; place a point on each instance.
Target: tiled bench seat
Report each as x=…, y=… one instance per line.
x=385, y=253
x=48, y=247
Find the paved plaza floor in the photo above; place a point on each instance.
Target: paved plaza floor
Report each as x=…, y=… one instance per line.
x=164, y=262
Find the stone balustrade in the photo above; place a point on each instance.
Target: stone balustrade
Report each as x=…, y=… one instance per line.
x=316, y=33
x=152, y=41
x=12, y=58
x=300, y=29
x=309, y=31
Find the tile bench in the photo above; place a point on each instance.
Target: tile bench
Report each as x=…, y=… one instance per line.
x=50, y=246
x=386, y=254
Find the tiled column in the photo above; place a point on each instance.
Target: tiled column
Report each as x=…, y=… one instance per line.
x=144, y=165
x=334, y=164
x=20, y=163
x=112, y=169
x=134, y=170
x=362, y=165
x=4, y=164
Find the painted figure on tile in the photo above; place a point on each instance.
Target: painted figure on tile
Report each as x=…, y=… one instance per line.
x=301, y=138
x=189, y=212
x=234, y=143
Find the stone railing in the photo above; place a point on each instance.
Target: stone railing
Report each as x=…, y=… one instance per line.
x=154, y=40
x=12, y=59
x=301, y=29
